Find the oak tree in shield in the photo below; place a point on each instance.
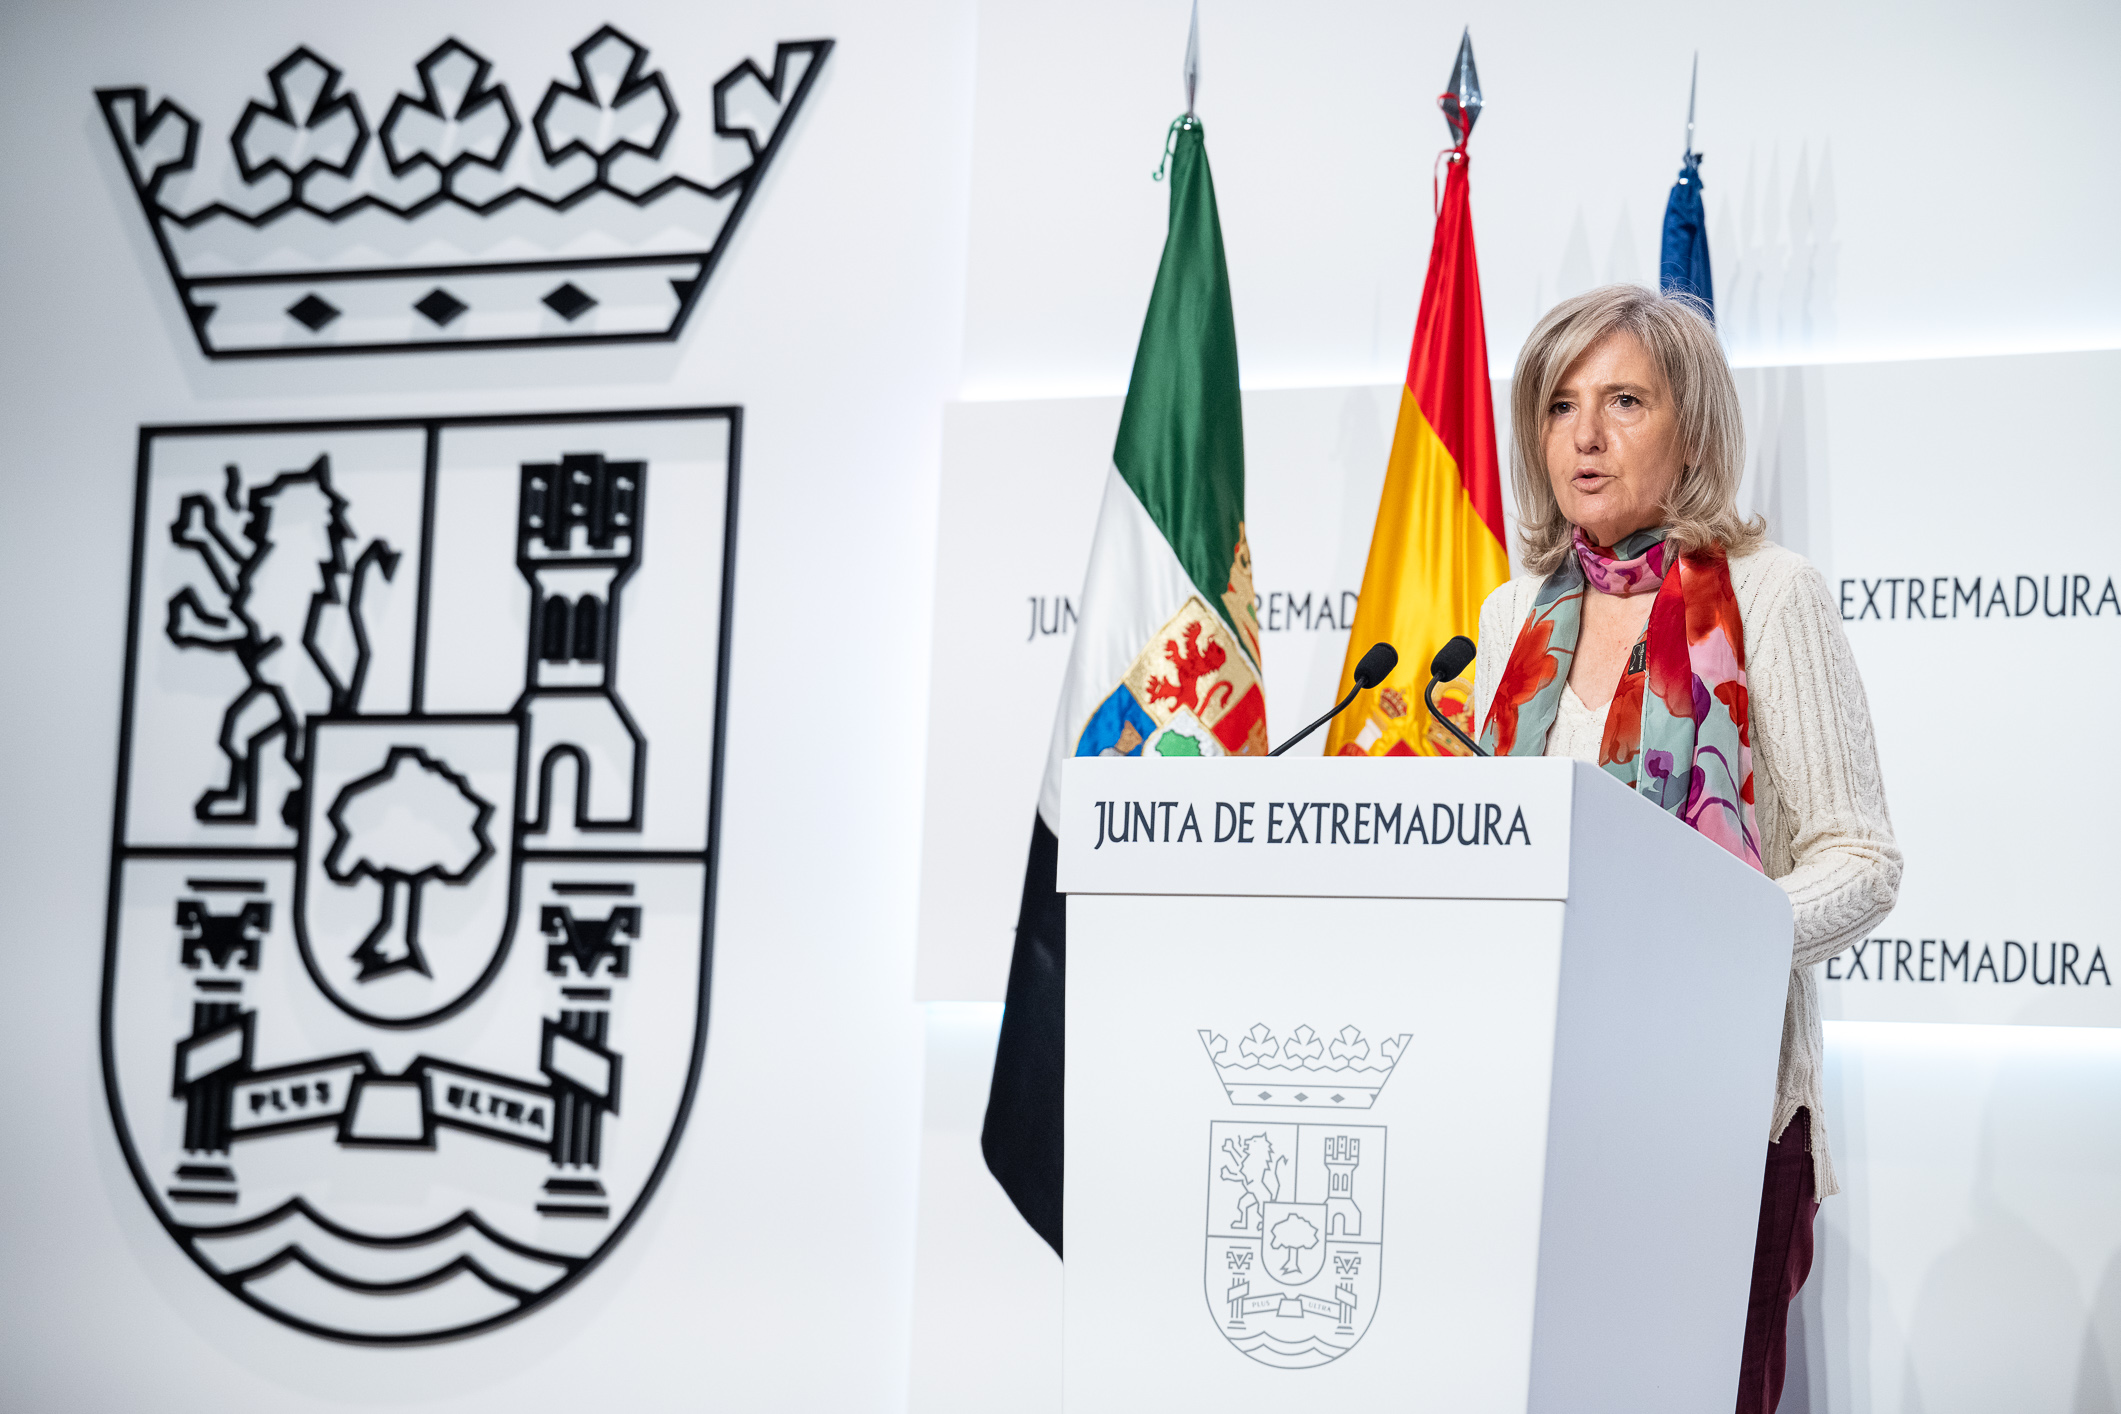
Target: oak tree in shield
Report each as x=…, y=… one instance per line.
x=411, y=822
x=1296, y=1235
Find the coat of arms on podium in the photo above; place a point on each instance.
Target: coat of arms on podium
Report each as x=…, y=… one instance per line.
x=404, y=989
x=1295, y=1213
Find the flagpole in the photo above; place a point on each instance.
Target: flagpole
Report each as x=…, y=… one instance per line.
x=1693, y=87
x=1683, y=260
x=1192, y=58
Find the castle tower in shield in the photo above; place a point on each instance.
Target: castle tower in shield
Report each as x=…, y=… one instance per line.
x=578, y=539
x=1343, y=1219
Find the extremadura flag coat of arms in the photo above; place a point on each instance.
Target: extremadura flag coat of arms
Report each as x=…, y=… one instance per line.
x=1166, y=653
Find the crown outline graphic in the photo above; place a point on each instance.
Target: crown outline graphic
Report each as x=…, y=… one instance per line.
x=1305, y=1071
x=440, y=227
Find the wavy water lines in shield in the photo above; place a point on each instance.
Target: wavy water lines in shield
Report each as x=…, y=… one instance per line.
x=322, y=1275
x=1269, y=1349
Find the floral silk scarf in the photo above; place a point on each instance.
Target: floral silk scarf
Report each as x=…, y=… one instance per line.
x=1679, y=730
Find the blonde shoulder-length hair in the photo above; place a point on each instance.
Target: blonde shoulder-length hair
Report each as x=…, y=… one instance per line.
x=1703, y=507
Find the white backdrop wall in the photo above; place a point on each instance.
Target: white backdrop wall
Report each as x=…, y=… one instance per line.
x=1867, y=199
x=1970, y=1262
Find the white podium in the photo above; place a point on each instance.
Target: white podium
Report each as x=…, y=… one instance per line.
x=1408, y=1084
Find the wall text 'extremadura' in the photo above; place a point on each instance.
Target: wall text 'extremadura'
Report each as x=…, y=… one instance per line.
x=1936, y=960
x=1946, y=596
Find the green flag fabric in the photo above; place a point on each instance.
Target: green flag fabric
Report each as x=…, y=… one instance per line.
x=1181, y=438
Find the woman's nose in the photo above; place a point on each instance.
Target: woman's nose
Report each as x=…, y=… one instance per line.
x=1590, y=432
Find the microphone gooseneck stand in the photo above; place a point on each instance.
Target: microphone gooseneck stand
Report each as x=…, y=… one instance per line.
x=1375, y=667
x=1449, y=662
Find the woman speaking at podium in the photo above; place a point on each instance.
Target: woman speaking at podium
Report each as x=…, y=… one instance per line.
x=1661, y=637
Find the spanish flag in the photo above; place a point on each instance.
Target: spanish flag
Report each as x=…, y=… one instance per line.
x=1438, y=547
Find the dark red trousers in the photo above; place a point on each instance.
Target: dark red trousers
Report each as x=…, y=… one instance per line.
x=1782, y=1259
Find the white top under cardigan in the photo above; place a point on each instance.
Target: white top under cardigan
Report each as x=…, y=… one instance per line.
x=1825, y=834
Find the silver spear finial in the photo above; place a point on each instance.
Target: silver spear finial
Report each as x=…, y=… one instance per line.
x=1693, y=87
x=1193, y=58
x=1460, y=100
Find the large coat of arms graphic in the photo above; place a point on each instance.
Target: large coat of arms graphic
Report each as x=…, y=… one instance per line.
x=1295, y=1214
x=405, y=982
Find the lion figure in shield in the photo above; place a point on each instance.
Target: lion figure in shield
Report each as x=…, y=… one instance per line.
x=1259, y=1169
x=285, y=599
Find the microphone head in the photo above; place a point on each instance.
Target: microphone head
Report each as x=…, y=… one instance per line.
x=1376, y=665
x=1452, y=658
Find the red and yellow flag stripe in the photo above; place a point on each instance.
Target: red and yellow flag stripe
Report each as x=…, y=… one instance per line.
x=1438, y=548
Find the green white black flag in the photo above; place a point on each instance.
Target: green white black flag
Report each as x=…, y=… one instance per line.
x=1166, y=652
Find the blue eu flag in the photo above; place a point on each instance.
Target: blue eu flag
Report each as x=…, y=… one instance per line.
x=1684, y=266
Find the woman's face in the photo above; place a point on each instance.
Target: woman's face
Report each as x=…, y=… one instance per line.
x=1612, y=440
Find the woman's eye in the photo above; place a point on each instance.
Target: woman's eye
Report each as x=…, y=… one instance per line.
x=1629, y=400
x=1559, y=408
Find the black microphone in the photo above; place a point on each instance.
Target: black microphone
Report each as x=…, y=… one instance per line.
x=1375, y=667
x=1450, y=661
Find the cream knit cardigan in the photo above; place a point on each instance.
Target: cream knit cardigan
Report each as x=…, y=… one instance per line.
x=1825, y=835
